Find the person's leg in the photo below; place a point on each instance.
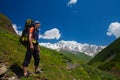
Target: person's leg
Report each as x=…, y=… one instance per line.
x=36, y=58
x=25, y=71
x=27, y=61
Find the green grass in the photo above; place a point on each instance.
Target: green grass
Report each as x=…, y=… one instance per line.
x=109, y=58
x=77, y=56
x=53, y=63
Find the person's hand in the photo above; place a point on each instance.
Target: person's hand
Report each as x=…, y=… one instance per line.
x=31, y=47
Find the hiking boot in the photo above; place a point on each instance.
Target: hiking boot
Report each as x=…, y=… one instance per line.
x=27, y=74
x=38, y=72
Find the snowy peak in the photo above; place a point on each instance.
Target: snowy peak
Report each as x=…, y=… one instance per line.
x=88, y=49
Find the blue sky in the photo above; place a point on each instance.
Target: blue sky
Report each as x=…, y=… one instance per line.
x=85, y=21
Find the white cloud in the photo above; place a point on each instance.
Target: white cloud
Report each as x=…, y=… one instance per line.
x=51, y=34
x=16, y=29
x=71, y=2
x=114, y=29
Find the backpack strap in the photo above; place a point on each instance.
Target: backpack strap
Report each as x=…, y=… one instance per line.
x=32, y=31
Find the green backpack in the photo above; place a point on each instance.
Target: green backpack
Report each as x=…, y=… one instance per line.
x=24, y=38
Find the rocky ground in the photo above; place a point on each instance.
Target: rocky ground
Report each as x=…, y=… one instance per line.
x=7, y=73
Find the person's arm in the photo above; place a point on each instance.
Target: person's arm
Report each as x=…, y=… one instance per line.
x=30, y=38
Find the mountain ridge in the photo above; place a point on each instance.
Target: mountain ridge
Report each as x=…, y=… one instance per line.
x=88, y=49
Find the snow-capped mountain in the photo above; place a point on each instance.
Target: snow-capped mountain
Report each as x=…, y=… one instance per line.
x=88, y=49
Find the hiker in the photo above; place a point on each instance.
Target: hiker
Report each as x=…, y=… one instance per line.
x=32, y=49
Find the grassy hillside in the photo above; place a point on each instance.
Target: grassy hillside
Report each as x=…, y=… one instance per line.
x=109, y=58
x=77, y=56
x=55, y=65
x=5, y=24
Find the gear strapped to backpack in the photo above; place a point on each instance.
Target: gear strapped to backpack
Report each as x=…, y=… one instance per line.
x=24, y=38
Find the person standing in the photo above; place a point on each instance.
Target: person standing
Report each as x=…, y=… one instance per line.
x=32, y=49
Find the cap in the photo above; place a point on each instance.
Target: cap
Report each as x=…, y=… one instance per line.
x=37, y=22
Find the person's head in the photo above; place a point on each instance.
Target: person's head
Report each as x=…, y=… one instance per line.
x=37, y=24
